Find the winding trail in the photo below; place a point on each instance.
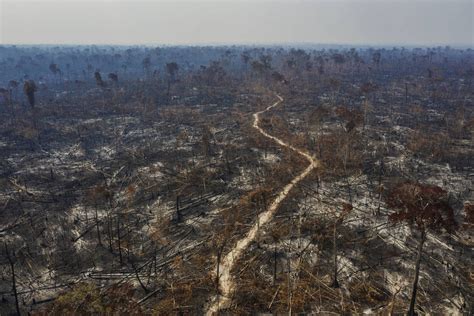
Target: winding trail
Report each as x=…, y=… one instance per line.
x=226, y=282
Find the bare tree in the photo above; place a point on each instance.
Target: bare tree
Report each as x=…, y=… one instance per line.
x=98, y=79
x=55, y=70
x=30, y=88
x=346, y=208
x=11, y=261
x=172, y=69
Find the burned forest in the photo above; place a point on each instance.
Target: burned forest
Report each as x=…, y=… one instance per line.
x=236, y=180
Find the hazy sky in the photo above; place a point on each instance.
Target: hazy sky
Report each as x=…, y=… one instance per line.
x=378, y=22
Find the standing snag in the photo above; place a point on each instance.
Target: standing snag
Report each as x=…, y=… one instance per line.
x=346, y=209
x=171, y=69
x=98, y=79
x=30, y=88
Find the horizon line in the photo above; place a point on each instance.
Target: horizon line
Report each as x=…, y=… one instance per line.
x=254, y=44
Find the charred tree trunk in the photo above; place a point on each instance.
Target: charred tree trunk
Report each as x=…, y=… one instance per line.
x=406, y=93
x=119, y=241
x=381, y=171
x=14, y=290
x=137, y=275
x=220, y=251
x=411, y=311
x=274, y=264
x=168, y=90
x=218, y=269
x=335, y=283
x=178, y=212
x=99, y=240
x=109, y=232
x=155, y=262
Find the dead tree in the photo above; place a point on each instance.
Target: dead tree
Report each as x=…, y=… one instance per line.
x=98, y=79
x=426, y=208
x=346, y=208
x=11, y=261
x=30, y=88
x=171, y=69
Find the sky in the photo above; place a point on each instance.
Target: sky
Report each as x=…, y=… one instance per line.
x=148, y=22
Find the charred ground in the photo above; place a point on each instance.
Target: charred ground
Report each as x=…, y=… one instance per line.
x=137, y=169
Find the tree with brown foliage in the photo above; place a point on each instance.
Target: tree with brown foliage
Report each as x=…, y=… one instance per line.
x=468, y=215
x=426, y=208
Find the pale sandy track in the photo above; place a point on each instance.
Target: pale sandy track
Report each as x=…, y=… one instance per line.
x=226, y=282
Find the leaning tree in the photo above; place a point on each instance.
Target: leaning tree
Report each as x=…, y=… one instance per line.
x=424, y=207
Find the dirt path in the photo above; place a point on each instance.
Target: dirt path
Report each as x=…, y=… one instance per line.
x=226, y=282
